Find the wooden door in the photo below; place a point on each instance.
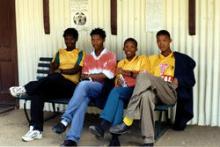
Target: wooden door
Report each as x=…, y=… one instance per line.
x=8, y=50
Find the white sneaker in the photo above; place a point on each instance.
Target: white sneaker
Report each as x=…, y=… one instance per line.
x=32, y=135
x=17, y=91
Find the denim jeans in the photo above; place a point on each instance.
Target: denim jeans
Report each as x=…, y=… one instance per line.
x=77, y=107
x=114, y=107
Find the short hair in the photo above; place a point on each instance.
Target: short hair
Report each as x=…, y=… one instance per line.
x=71, y=32
x=163, y=32
x=98, y=31
x=131, y=40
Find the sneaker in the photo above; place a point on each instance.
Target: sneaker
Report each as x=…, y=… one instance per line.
x=69, y=143
x=97, y=131
x=17, y=91
x=32, y=135
x=119, y=129
x=59, y=128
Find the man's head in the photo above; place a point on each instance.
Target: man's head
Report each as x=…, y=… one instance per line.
x=70, y=36
x=163, y=41
x=98, y=38
x=130, y=48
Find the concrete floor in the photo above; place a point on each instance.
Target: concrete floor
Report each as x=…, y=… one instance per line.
x=14, y=125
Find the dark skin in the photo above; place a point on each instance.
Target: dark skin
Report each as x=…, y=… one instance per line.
x=70, y=45
x=98, y=45
x=130, y=51
x=163, y=42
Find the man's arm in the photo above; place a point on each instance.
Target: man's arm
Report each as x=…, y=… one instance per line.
x=53, y=67
x=71, y=71
x=94, y=77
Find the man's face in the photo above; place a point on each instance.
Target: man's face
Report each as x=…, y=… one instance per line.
x=97, y=42
x=130, y=49
x=163, y=42
x=69, y=41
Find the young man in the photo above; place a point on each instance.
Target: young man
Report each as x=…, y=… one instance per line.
x=98, y=66
x=64, y=75
x=172, y=77
x=127, y=71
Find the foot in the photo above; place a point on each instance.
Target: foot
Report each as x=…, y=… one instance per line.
x=32, y=135
x=17, y=91
x=114, y=141
x=97, y=131
x=69, y=143
x=119, y=129
x=148, y=144
x=59, y=128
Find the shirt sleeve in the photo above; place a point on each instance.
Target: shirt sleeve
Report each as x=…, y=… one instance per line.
x=145, y=66
x=56, y=58
x=81, y=58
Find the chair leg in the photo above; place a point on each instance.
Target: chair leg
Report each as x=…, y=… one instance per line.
x=54, y=108
x=158, y=130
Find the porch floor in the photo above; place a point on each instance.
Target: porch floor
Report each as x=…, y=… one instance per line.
x=14, y=125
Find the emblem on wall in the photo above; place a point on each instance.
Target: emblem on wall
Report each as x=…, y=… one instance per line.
x=79, y=18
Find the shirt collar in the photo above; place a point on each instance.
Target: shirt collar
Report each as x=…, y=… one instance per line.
x=134, y=58
x=97, y=57
x=162, y=56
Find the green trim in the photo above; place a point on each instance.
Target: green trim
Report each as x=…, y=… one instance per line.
x=57, y=58
x=80, y=56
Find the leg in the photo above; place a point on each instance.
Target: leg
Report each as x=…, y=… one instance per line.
x=163, y=90
x=114, y=107
x=147, y=116
x=83, y=91
x=37, y=119
x=52, y=86
x=113, y=110
x=77, y=122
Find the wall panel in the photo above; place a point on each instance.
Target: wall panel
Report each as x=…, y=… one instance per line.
x=204, y=47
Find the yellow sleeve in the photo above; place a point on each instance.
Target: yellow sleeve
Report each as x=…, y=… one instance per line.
x=120, y=63
x=145, y=66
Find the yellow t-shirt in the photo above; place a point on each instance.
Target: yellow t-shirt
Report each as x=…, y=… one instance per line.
x=67, y=60
x=162, y=66
x=138, y=63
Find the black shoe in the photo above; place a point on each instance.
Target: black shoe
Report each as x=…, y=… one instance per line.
x=114, y=141
x=97, y=131
x=178, y=127
x=148, y=144
x=69, y=143
x=119, y=129
x=59, y=128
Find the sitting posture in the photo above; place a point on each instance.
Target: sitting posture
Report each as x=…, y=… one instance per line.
x=64, y=75
x=98, y=66
x=171, y=80
x=127, y=71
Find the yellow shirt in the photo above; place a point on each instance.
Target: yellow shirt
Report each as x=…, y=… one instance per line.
x=138, y=63
x=67, y=60
x=162, y=66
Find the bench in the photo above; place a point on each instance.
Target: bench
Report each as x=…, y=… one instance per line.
x=42, y=71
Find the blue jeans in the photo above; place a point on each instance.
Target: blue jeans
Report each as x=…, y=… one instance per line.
x=114, y=107
x=77, y=107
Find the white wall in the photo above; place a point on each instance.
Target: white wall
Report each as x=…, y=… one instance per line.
x=204, y=47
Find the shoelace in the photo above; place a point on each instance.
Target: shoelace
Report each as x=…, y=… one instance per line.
x=20, y=90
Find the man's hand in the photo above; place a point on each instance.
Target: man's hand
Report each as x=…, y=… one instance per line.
x=175, y=82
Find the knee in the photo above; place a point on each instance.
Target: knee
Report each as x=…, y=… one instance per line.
x=143, y=77
x=83, y=84
x=114, y=93
x=148, y=96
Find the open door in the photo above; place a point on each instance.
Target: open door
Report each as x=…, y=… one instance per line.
x=8, y=52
